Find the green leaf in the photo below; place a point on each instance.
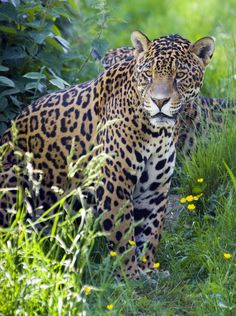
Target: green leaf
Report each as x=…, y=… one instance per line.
x=58, y=82
x=3, y=104
x=4, y=81
x=8, y=12
x=63, y=42
x=73, y=5
x=16, y=102
x=9, y=92
x=15, y=2
x=34, y=75
x=13, y=53
x=199, y=189
x=60, y=12
x=56, y=30
x=39, y=38
x=8, y=29
x=31, y=85
x=35, y=85
x=232, y=176
x=3, y=68
x=54, y=43
x=32, y=49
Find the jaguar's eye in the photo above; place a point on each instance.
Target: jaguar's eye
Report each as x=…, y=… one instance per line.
x=180, y=75
x=148, y=76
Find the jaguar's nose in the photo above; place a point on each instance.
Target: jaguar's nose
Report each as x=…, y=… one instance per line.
x=160, y=102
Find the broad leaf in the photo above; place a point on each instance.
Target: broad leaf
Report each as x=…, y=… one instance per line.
x=14, y=53
x=8, y=12
x=63, y=42
x=3, y=104
x=3, y=68
x=39, y=38
x=58, y=82
x=54, y=43
x=9, y=92
x=31, y=85
x=4, y=81
x=34, y=75
x=16, y=102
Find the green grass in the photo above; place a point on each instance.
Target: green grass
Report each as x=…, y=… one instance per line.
x=52, y=274
x=42, y=275
x=48, y=276
x=213, y=152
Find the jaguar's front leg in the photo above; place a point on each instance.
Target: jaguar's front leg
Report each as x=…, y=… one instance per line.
x=114, y=201
x=152, y=213
x=150, y=204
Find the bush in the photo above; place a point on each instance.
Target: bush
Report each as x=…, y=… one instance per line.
x=43, y=42
x=33, y=51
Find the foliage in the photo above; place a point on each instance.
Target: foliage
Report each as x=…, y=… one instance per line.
x=32, y=52
x=68, y=271
x=45, y=257
x=209, y=158
x=45, y=45
x=89, y=38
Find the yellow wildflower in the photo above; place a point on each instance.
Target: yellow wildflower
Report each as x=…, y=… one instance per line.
x=110, y=307
x=191, y=207
x=195, y=198
x=227, y=255
x=156, y=265
x=132, y=243
x=182, y=200
x=113, y=253
x=144, y=259
x=200, y=180
x=87, y=290
x=189, y=198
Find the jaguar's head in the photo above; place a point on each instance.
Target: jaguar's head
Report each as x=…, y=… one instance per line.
x=169, y=72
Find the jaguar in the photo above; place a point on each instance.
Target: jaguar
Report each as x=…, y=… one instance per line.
x=142, y=98
x=197, y=116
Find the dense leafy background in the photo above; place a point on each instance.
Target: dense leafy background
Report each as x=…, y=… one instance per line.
x=45, y=45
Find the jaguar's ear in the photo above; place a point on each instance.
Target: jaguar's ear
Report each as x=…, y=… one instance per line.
x=204, y=49
x=140, y=42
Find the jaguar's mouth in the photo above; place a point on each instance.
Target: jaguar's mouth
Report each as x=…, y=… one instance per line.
x=161, y=115
x=162, y=119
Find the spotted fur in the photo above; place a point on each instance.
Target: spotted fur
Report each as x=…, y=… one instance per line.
x=145, y=95
x=198, y=114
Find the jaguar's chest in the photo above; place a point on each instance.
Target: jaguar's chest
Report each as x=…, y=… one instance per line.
x=158, y=142
x=159, y=159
